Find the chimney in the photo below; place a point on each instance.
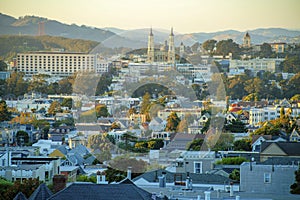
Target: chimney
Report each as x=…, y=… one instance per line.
x=129, y=173
x=103, y=178
x=207, y=195
x=162, y=180
x=231, y=190
x=59, y=182
x=98, y=177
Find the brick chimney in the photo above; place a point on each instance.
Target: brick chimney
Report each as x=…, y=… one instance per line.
x=59, y=182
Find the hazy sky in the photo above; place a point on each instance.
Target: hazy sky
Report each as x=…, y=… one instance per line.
x=184, y=15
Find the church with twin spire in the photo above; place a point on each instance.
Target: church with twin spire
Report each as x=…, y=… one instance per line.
x=166, y=54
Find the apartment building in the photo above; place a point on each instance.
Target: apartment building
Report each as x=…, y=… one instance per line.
x=55, y=63
x=256, y=65
x=258, y=115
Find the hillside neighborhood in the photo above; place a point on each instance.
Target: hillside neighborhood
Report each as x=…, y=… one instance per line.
x=207, y=120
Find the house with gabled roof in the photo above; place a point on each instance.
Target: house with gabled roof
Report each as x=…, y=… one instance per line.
x=157, y=124
x=41, y=193
x=257, y=140
x=91, y=191
x=279, y=149
x=294, y=136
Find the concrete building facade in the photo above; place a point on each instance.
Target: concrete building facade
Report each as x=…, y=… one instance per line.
x=260, y=178
x=55, y=63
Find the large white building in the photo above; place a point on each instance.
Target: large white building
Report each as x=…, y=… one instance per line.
x=55, y=63
x=259, y=115
x=255, y=65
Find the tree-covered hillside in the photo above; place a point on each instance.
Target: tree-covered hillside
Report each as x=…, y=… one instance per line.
x=10, y=45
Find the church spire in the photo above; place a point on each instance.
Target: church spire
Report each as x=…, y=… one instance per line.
x=171, y=34
x=151, y=34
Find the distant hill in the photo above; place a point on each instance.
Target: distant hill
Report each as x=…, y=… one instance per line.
x=113, y=37
x=13, y=44
x=258, y=36
x=28, y=25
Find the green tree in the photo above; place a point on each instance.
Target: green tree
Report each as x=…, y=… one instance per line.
x=54, y=108
x=5, y=115
x=15, y=85
x=120, y=164
x=99, y=142
x=101, y=110
x=27, y=187
x=236, y=126
x=38, y=84
x=209, y=45
x=235, y=175
x=265, y=51
x=105, y=155
x=242, y=145
x=295, y=187
x=231, y=161
x=195, y=145
x=293, y=86
x=224, y=47
x=22, y=138
x=83, y=178
x=67, y=102
x=291, y=64
x=3, y=66
x=224, y=142
x=172, y=122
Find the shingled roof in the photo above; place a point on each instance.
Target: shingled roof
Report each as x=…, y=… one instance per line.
x=90, y=191
x=41, y=193
x=20, y=196
x=290, y=148
x=152, y=176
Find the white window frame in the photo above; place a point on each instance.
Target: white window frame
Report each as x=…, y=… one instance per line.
x=201, y=166
x=267, y=177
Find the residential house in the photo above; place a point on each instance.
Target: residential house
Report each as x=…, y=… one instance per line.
x=295, y=136
x=41, y=193
x=70, y=172
x=267, y=178
x=230, y=117
x=89, y=191
x=179, y=141
x=198, y=162
x=157, y=124
x=257, y=140
x=152, y=178
x=42, y=168
x=280, y=150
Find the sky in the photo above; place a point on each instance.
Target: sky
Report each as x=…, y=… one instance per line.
x=186, y=16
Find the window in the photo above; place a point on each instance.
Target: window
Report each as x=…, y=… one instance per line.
x=198, y=167
x=267, y=178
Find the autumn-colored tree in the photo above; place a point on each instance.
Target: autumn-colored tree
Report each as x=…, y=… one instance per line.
x=145, y=106
x=172, y=122
x=115, y=125
x=54, y=108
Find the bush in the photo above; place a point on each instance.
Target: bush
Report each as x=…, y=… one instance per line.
x=232, y=161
